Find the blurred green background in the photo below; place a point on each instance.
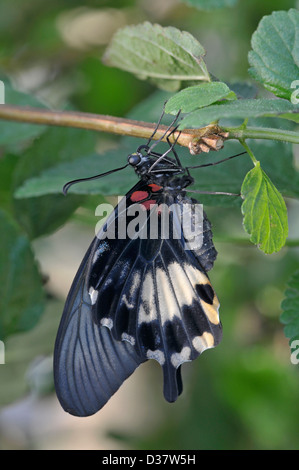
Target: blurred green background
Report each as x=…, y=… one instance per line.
x=242, y=395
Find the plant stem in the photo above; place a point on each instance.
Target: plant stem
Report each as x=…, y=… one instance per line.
x=249, y=151
x=99, y=122
x=262, y=133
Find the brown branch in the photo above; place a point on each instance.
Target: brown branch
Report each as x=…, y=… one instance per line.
x=197, y=140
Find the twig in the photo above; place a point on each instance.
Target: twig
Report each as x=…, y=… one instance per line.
x=99, y=122
x=211, y=136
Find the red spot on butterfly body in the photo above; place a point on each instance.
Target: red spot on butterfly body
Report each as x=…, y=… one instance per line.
x=138, y=196
x=155, y=187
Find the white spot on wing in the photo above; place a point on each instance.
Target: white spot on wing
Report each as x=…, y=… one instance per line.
x=183, y=289
x=157, y=355
x=133, y=287
x=102, y=248
x=195, y=275
x=93, y=294
x=108, y=322
x=168, y=305
x=147, y=296
x=212, y=311
x=205, y=341
x=178, y=358
x=129, y=338
x=126, y=302
x=136, y=281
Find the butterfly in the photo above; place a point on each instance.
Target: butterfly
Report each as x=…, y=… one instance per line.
x=140, y=295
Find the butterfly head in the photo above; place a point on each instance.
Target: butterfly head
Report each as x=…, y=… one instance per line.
x=134, y=159
x=147, y=163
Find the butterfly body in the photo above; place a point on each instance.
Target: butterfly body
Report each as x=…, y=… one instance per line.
x=142, y=292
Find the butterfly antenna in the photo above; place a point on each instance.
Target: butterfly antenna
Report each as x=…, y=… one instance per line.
x=157, y=125
x=67, y=186
x=165, y=133
x=171, y=149
x=215, y=163
x=211, y=164
x=214, y=193
x=172, y=145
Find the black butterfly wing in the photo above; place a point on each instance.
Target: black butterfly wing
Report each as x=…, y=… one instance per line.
x=89, y=364
x=155, y=295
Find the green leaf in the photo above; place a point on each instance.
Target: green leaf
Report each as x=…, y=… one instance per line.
x=198, y=96
x=210, y=4
x=290, y=307
x=43, y=215
x=150, y=108
x=21, y=293
x=264, y=210
x=276, y=159
x=166, y=56
x=12, y=133
x=29, y=348
x=274, y=58
x=52, y=180
x=7, y=167
x=244, y=89
x=238, y=109
x=291, y=117
x=58, y=144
